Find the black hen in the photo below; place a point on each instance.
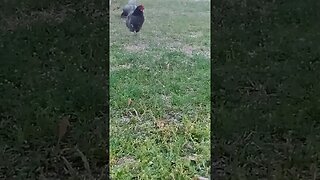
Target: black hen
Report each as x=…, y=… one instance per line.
x=135, y=20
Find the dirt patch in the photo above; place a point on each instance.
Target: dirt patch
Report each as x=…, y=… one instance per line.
x=199, y=50
x=196, y=34
x=120, y=67
x=190, y=50
x=136, y=48
x=196, y=50
x=125, y=160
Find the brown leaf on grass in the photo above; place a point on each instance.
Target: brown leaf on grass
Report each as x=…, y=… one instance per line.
x=113, y=161
x=129, y=101
x=161, y=124
x=192, y=157
x=63, y=127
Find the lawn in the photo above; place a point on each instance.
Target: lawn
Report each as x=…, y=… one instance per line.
x=160, y=92
x=53, y=84
x=266, y=89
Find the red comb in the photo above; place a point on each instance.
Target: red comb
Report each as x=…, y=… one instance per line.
x=141, y=7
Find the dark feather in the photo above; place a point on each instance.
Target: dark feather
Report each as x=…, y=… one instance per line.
x=128, y=9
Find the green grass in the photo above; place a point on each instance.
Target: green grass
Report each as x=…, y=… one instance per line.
x=165, y=72
x=266, y=84
x=53, y=65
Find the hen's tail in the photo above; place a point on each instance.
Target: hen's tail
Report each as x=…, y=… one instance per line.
x=124, y=14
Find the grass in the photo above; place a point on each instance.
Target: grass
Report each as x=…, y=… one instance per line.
x=159, y=92
x=265, y=69
x=53, y=73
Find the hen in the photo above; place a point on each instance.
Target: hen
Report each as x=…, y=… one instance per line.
x=135, y=20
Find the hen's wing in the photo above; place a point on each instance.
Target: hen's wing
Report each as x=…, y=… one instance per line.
x=128, y=23
x=136, y=22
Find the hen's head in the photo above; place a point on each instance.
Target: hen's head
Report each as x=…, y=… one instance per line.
x=141, y=7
